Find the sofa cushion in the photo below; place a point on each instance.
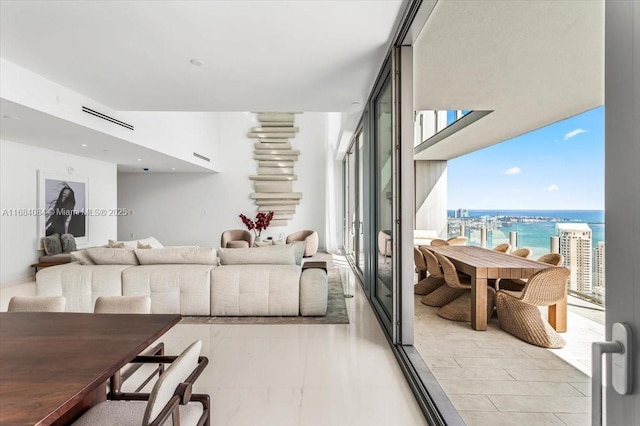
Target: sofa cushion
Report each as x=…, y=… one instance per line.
x=112, y=256
x=177, y=255
x=270, y=255
x=243, y=290
x=52, y=245
x=133, y=244
x=173, y=289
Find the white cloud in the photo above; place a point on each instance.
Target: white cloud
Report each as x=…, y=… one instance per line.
x=552, y=187
x=513, y=170
x=574, y=133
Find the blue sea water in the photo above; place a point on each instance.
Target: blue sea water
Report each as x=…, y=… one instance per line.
x=536, y=235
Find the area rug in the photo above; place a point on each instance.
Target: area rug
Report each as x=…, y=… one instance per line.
x=336, y=310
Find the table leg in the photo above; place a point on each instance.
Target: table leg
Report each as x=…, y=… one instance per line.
x=558, y=315
x=479, y=304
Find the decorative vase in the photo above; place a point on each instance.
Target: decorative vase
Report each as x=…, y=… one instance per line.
x=258, y=238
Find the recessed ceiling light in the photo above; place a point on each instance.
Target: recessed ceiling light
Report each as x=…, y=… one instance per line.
x=173, y=168
x=197, y=62
x=139, y=159
x=84, y=145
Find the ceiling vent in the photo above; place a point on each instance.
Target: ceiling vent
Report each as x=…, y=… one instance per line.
x=106, y=117
x=200, y=156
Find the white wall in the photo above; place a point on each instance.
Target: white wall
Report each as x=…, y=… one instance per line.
x=180, y=209
x=18, y=190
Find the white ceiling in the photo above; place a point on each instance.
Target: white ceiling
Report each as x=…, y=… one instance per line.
x=531, y=62
x=259, y=55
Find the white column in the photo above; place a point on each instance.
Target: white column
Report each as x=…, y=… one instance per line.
x=554, y=244
x=431, y=196
x=513, y=239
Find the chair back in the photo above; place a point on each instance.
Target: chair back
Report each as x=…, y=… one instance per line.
x=503, y=248
x=37, y=304
x=449, y=271
x=522, y=252
x=545, y=287
x=168, y=382
x=418, y=259
x=555, y=259
x=458, y=241
x=122, y=305
x=439, y=242
x=433, y=266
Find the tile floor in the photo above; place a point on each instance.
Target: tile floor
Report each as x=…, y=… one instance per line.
x=493, y=378
x=279, y=375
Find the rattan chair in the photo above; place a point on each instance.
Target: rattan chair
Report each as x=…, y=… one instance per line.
x=460, y=308
x=435, y=279
x=37, y=304
x=525, y=253
x=514, y=284
x=171, y=396
x=439, y=242
x=421, y=269
x=502, y=248
x=518, y=312
x=458, y=241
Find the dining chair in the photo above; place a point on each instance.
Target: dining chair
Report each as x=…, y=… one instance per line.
x=435, y=279
x=443, y=294
x=421, y=266
x=502, y=248
x=131, y=305
x=458, y=241
x=460, y=308
x=439, y=242
x=518, y=311
x=522, y=252
x=515, y=284
x=171, y=396
x=37, y=304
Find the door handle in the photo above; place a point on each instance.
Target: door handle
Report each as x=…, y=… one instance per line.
x=621, y=367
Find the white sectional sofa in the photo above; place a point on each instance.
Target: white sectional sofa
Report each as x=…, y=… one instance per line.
x=263, y=281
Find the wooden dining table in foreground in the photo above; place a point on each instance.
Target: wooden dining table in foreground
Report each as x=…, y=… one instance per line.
x=53, y=366
x=484, y=265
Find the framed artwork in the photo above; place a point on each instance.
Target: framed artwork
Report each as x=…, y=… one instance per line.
x=63, y=205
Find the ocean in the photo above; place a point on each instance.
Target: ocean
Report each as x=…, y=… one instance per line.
x=535, y=235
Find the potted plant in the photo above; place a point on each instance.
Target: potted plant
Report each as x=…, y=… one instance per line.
x=260, y=223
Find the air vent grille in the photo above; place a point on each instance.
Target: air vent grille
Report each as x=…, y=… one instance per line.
x=106, y=117
x=202, y=157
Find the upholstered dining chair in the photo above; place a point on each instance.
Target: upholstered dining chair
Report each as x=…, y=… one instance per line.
x=518, y=311
x=442, y=294
x=439, y=242
x=515, y=284
x=434, y=279
x=171, y=397
x=37, y=304
x=502, y=248
x=131, y=305
x=458, y=241
x=460, y=308
x=236, y=238
x=310, y=239
x=420, y=263
x=522, y=252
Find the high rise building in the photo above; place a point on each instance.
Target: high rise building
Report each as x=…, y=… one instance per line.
x=575, y=246
x=599, y=278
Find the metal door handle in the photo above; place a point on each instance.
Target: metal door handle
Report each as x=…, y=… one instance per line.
x=621, y=374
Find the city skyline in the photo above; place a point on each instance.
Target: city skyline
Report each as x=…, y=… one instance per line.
x=557, y=167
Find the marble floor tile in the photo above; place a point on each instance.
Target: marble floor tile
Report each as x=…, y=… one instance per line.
x=478, y=418
x=574, y=419
x=511, y=388
x=542, y=404
x=470, y=402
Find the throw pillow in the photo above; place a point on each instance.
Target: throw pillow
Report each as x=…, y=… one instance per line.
x=82, y=257
x=52, y=244
x=68, y=243
x=269, y=255
x=144, y=246
x=180, y=256
x=298, y=248
x=116, y=244
x=113, y=256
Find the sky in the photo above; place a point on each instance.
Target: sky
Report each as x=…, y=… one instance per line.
x=557, y=167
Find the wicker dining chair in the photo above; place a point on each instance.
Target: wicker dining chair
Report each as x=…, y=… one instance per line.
x=522, y=252
x=518, y=312
x=435, y=279
x=421, y=264
x=460, y=308
x=458, y=241
x=514, y=284
x=502, y=248
x=442, y=293
x=439, y=242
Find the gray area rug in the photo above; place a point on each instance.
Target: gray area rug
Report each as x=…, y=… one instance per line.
x=336, y=309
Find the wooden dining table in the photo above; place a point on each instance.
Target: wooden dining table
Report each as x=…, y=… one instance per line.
x=484, y=265
x=54, y=366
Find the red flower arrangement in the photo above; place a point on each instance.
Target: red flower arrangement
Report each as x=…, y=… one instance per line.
x=261, y=222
